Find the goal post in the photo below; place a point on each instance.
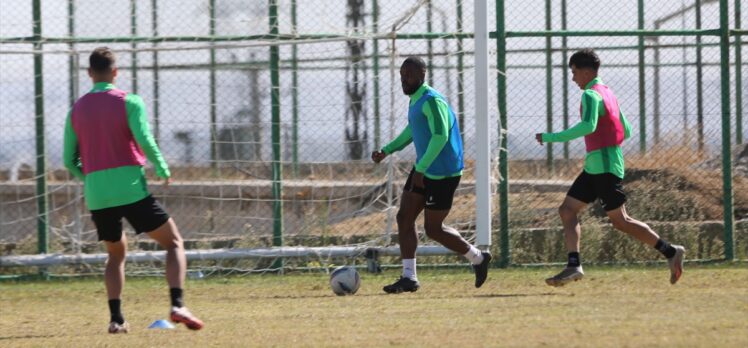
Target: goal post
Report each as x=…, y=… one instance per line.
x=482, y=129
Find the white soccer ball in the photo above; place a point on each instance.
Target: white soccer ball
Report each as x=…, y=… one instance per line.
x=345, y=280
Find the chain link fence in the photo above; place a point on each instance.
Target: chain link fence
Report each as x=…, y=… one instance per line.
x=207, y=71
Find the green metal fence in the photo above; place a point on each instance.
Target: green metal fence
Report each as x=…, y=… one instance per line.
x=267, y=110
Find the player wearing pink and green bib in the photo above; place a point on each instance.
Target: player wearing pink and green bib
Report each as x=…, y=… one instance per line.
x=603, y=134
x=107, y=140
x=108, y=153
x=604, y=128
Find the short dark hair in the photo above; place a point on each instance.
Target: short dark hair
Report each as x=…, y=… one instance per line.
x=415, y=62
x=586, y=58
x=102, y=60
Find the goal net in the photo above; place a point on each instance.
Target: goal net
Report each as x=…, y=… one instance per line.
x=265, y=150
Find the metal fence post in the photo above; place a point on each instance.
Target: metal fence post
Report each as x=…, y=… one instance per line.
x=699, y=82
x=294, y=95
x=738, y=78
x=276, y=133
x=377, y=118
x=213, y=121
x=565, y=74
x=724, y=54
x=156, y=87
x=460, y=71
x=505, y=251
x=642, y=83
x=548, y=87
x=42, y=208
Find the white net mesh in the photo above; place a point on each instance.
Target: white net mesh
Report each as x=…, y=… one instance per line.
x=205, y=75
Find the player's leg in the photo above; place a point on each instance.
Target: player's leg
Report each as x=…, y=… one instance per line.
x=452, y=240
x=169, y=238
x=411, y=205
x=148, y=216
x=114, y=278
x=569, y=213
x=439, y=198
x=580, y=194
x=613, y=200
x=109, y=229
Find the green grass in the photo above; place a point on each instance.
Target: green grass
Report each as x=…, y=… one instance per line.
x=611, y=307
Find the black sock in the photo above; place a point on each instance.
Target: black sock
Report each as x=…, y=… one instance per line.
x=574, y=260
x=176, y=297
x=115, y=311
x=665, y=248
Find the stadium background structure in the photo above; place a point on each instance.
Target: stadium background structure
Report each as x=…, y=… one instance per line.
x=649, y=49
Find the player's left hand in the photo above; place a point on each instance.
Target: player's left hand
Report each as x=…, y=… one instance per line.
x=167, y=181
x=418, y=180
x=539, y=138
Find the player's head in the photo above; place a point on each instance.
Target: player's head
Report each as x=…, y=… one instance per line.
x=412, y=74
x=584, y=65
x=102, y=65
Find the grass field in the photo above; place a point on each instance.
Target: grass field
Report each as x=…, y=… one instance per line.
x=611, y=307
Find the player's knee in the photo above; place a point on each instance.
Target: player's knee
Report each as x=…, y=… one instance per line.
x=433, y=230
x=116, y=257
x=566, y=212
x=175, y=242
x=404, y=218
x=618, y=224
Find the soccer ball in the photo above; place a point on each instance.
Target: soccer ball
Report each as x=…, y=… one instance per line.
x=344, y=280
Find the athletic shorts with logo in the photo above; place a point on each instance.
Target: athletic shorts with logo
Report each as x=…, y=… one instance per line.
x=607, y=187
x=145, y=215
x=438, y=194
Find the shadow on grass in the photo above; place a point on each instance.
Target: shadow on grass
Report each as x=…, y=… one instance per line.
x=404, y=294
x=24, y=337
x=522, y=295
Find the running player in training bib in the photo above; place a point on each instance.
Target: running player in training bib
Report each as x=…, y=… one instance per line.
x=107, y=141
x=433, y=129
x=604, y=127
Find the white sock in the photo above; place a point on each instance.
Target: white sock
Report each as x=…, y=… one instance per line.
x=474, y=255
x=409, y=268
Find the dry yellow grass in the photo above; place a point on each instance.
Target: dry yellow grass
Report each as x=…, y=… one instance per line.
x=611, y=307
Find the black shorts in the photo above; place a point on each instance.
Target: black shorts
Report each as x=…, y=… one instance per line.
x=144, y=215
x=606, y=186
x=438, y=193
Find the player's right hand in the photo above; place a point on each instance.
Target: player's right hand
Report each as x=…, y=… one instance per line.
x=378, y=156
x=167, y=181
x=539, y=138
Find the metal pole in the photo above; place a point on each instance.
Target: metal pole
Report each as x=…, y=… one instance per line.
x=506, y=257
x=738, y=78
x=213, y=117
x=482, y=130
x=656, y=88
x=724, y=55
x=684, y=79
x=72, y=70
x=294, y=95
x=548, y=89
x=74, y=78
x=377, y=118
x=42, y=209
x=460, y=71
x=642, y=83
x=429, y=43
x=156, y=87
x=699, y=83
x=565, y=74
x=134, y=55
x=276, y=133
